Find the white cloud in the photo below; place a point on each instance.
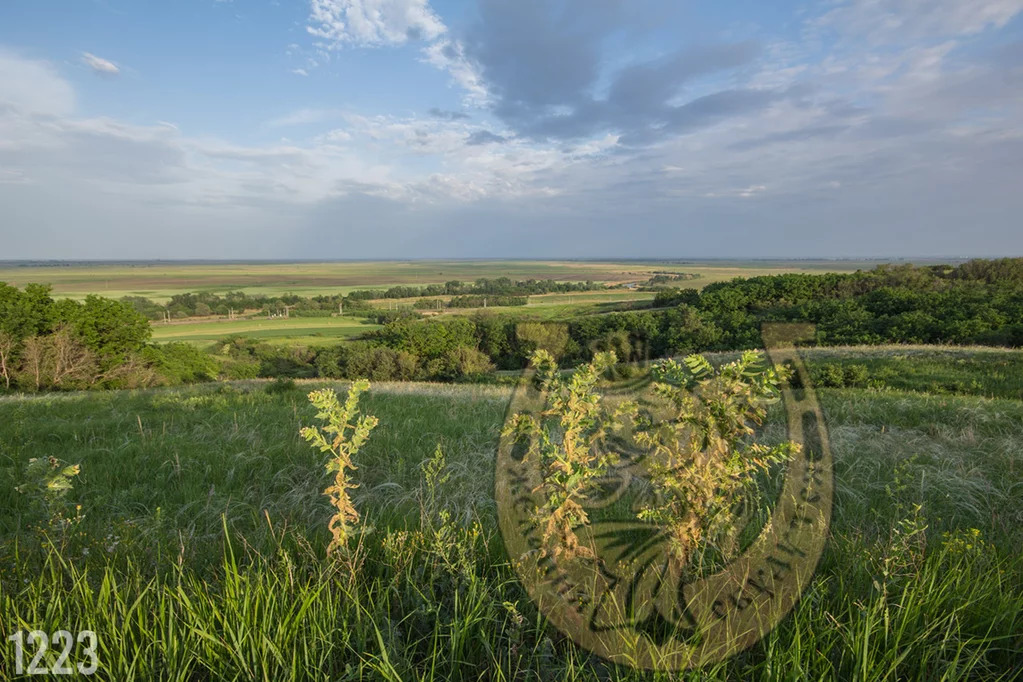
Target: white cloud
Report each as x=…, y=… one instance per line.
x=421, y=161
x=880, y=21
x=300, y=72
x=449, y=55
x=33, y=86
x=100, y=65
x=340, y=23
x=374, y=23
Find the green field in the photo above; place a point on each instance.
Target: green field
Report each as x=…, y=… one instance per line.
x=159, y=281
x=200, y=553
x=310, y=331
x=540, y=307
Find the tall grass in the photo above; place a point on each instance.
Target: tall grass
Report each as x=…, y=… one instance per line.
x=434, y=605
x=201, y=553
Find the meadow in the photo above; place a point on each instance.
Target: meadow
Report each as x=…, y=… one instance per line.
x=199, y=553
x=310, y=331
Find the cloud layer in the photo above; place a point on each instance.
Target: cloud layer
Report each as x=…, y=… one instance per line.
x=878, y=127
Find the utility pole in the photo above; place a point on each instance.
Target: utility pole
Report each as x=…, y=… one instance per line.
x=341, y=309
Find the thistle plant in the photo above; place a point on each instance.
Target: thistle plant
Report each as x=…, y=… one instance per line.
x=700, y=467
x=343, y=434
x=48, y=480
x=567, y=440
x=435, y=476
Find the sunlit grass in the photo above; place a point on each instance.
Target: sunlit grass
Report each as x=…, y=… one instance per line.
x=201, y=551
x=295, y=330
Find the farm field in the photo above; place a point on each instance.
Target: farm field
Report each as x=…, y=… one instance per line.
x=296, y=330
x=203, y=524
x=540, y=306
x=159, y=281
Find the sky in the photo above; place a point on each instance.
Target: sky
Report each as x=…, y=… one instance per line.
x=335, y=129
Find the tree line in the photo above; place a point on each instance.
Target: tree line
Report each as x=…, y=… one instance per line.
x=979, y=302
x=104, y=343
x=500, y=286
x=95, y=343
x=484, y=292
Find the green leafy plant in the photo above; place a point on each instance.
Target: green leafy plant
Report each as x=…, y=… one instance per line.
x=701, y=468
x=567, y=439
x=435, y=475
x=47, y=483
x=343, y=434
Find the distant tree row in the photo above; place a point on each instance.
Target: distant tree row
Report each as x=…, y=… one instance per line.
x=202, y=304
x=980, y=302
x=498, y=292
x=501, y=286
x=666, y=279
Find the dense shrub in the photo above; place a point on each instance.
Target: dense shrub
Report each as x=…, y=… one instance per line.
x=180, y=363
x=363, y=360
x=429, y=339
x=550, y=337
x=69, y=345
x=837, y=376
x=459, y=363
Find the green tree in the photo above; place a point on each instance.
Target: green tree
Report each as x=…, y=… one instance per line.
x=550, y=337
x=110, y=329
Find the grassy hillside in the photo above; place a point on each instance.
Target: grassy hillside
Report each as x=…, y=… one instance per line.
x=200, y=550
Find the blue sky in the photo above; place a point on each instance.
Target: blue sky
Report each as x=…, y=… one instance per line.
x=534, y=128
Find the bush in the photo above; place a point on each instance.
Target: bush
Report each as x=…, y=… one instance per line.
x=361, y=360
x=857, y=376
x=180, y=363
x=462, y=363
x=829, y=376
x=534, y=336
x=837, y=376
